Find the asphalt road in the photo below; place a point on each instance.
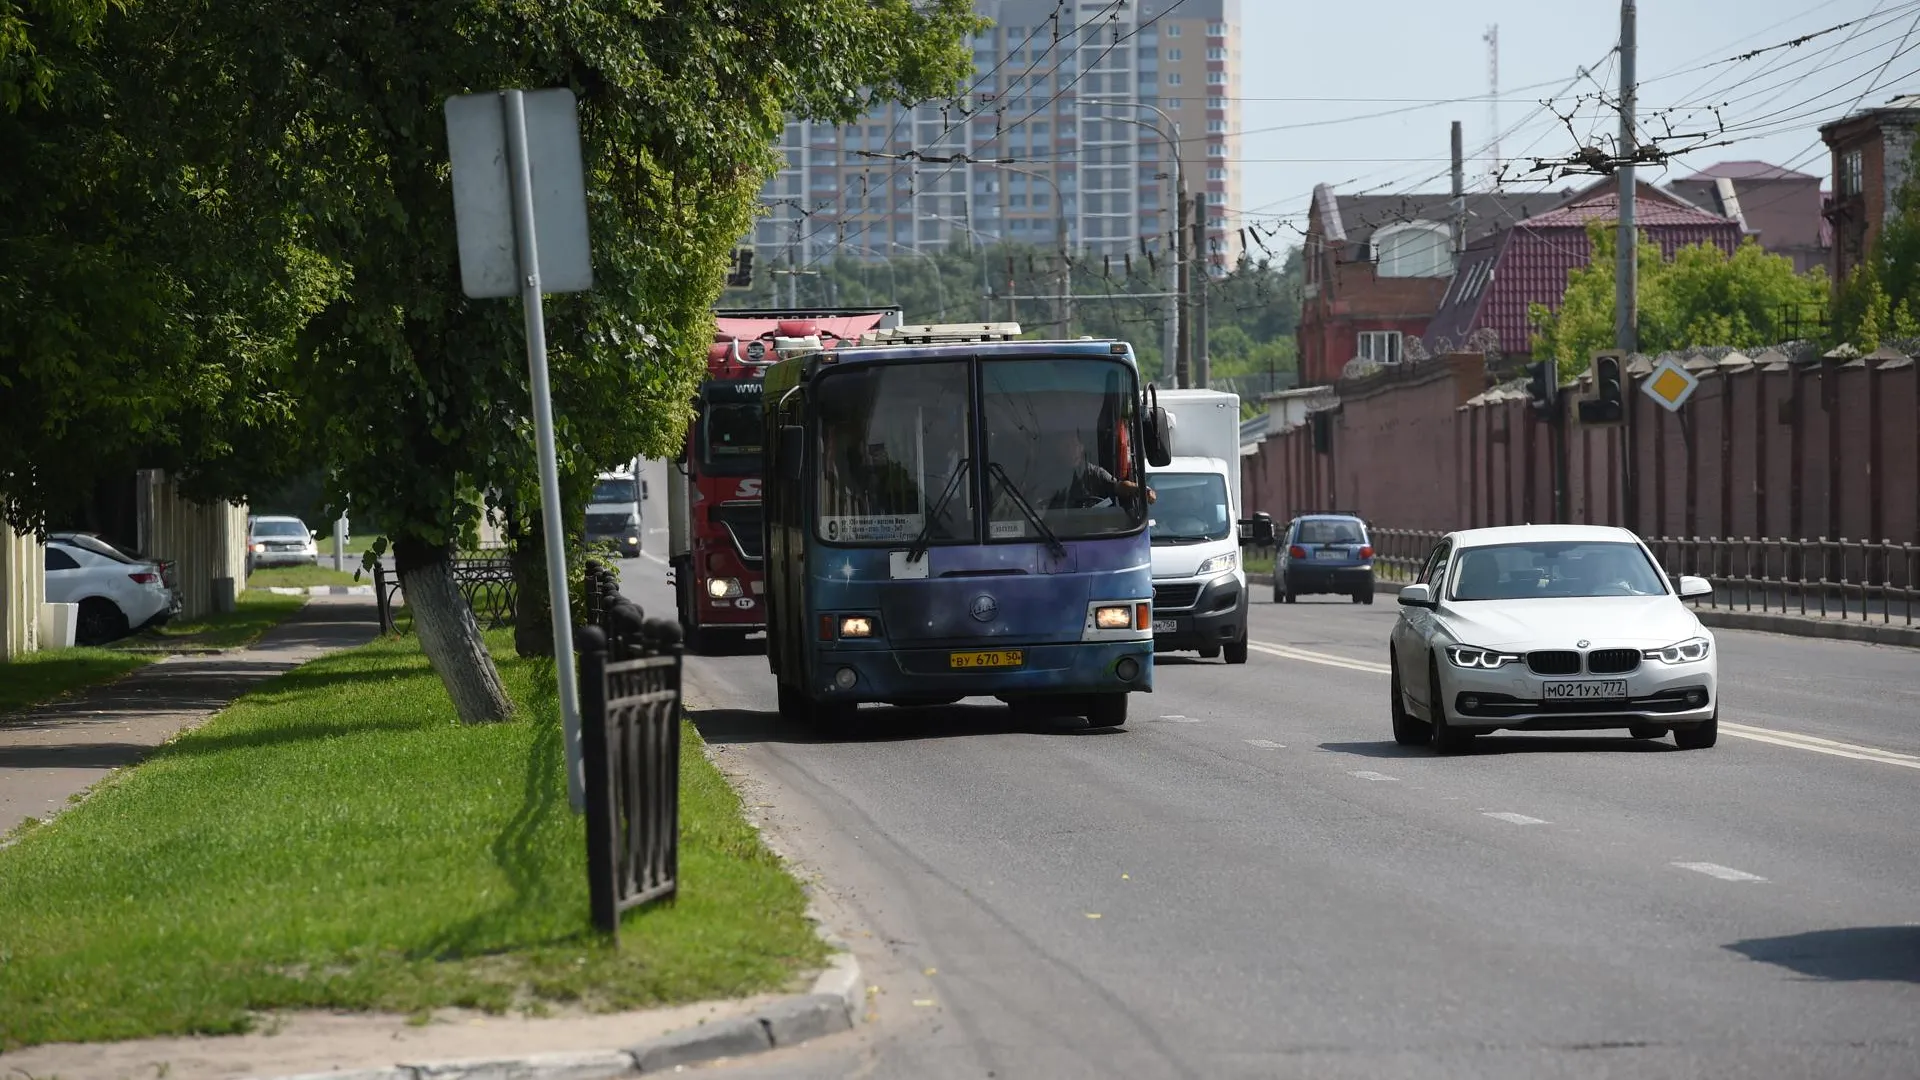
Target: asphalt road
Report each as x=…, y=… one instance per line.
x=1253, y=880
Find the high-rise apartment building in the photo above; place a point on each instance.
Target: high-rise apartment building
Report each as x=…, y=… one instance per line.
x=1063, y=138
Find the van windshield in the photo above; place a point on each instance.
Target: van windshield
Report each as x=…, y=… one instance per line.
x=1188, y=507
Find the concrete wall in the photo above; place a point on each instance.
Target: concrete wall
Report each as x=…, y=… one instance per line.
x=206, y=544
x=1799, y=451
x=22, y=589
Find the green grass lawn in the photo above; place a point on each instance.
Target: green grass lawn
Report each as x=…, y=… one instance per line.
x=1256, y=560
x=302, y=576
x=356, y=545
x=335, y=840
x=43, y=676
x=254, y=614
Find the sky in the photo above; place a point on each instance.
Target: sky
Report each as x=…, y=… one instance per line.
x=1408, y=57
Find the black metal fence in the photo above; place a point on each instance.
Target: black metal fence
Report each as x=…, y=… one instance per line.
x=629, y=749
x=1834, y=579
x=484, y=579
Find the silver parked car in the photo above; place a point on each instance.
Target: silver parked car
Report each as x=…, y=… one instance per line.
x=1550, y=628
x=280, y=541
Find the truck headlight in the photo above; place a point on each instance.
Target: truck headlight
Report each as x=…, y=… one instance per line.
x=1219, y=564
x=1113, y=617
x=722, y=587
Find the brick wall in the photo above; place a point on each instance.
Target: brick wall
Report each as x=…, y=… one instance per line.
x=1829, y=449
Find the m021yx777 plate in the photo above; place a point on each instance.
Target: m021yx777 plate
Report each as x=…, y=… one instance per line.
x=1586, y=690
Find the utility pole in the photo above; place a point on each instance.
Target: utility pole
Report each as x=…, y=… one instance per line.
x=1626, y=278
x=1183, y=286
x=1459, y=207
x=1203, y=262
x=1492, y=38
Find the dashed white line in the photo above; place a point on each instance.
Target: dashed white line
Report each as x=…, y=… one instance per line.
x=1181, y=719
x=1265, y=744
x=655, y=558
x=1515, y=819
x=1715, y=870
x=1368, y=774
x=1788, y=739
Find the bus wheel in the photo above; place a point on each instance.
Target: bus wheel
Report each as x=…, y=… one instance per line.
x=1108, y=710
x=794, y=705
x=836, y=719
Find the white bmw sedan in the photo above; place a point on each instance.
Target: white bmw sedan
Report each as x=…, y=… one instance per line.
x=1550, y=628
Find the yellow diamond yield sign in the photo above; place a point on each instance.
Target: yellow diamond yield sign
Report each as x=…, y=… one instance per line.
x=1670, y=385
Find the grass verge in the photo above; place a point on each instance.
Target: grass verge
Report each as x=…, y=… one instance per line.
x=302, y=576
x=254, y=614
x=335, y=840
x=43, y=676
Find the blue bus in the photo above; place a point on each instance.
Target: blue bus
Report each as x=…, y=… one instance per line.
x=948, y=519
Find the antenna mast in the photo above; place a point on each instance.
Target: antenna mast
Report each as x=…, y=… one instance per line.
x=1492, y=38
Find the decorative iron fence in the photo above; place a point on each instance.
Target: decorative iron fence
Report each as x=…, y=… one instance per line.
x=1400, y=553
x=1844, y=579
x=485, y=580
x=630, y=750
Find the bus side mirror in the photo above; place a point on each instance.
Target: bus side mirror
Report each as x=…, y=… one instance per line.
x=793, y=452
x=643, y=491
x=1159, y=438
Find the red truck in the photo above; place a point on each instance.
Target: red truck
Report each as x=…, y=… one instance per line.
x=713, y=487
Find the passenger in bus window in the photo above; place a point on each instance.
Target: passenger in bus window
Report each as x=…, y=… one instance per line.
x=1091, y=483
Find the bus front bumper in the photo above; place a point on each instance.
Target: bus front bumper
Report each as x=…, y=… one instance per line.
x=906, y=676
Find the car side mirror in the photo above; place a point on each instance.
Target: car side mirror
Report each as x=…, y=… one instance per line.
x=315, y=534
x=1420, y=596
x=1691, y=586
x=793, y=452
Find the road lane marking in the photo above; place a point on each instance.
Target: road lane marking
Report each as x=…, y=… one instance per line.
x=1368, y=774
x=1516, y=819
x=655, y=558
x=1181, y=719
x=1715, y=870
x=1265, y=744
x=1788, y=739
x=1820, y=746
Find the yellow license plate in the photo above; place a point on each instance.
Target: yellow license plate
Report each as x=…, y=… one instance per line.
x=996, y=658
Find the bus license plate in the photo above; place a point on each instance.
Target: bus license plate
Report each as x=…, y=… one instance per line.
x=994, y=658
x=1585, y=691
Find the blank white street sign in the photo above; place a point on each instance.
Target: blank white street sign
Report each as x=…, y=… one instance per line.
x=483, y=193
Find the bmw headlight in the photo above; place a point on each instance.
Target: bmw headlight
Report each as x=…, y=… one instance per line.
x=1219, y=564
x=1472, y=656
x=1689, y=651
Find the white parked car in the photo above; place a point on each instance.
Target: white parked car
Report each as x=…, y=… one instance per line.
x=117, y=593
x=280, y=541
x=1550, y=628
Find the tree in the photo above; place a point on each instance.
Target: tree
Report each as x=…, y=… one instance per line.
x=1702, y=296
x=1881, y=296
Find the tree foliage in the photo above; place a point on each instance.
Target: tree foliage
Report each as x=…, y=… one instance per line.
x=1702, y=296
x=1881, y=297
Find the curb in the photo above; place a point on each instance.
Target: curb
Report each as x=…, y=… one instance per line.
x=319, y=590
x=1761, y=621
x=830, y=1007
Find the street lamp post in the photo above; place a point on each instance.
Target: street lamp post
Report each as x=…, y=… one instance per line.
x=939, y=283
x=1180, y=273
x=1063, y=312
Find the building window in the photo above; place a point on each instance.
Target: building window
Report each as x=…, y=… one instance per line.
x=1216, y=103
x=1216, y=174
x=1852, y=179
x=1216, y=127
x=1218, y=150
x=1173, y=29
x=1216, y=78
x=1413, y=249
x=1173, y=78
x=1218, y=29
x=1173, y=54
x=1380, y=346
x=1216, y=53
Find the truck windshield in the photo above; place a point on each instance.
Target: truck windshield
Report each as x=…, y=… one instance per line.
x=614, y=490
x=730, y=438
x=892, y=439
x=1060, y=432
x=1188, y=507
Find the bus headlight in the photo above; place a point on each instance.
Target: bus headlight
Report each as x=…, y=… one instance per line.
x=722, y=587
x=856, y=626
x=1114, y=617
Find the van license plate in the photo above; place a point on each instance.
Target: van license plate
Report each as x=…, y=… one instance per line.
x=1165, y=626
x=993, y=658
x=1611, y=689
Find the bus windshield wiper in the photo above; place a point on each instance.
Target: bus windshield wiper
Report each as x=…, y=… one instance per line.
x=919, y=549
x=1053, y=542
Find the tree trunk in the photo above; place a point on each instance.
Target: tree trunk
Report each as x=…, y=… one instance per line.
x=532, y=618
x=449, y=635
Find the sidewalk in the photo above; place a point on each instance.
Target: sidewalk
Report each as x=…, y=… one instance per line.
x=53, y=752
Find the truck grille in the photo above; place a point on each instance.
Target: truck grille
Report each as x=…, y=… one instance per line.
x=742, y=522
x=1174, y=597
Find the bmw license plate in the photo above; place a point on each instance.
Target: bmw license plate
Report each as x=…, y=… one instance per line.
x=990, y=658
x=1165, y=626
x=1330, y=553
x=1593, y=690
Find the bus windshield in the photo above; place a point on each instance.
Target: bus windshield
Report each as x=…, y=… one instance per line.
x=1059, y=440
x=893, y=450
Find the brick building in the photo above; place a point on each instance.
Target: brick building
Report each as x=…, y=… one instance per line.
x=1872, y=156
x=1378, y=266
x=1779, y=208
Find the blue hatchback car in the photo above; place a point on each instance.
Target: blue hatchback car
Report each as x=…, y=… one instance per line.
x=1324, y=553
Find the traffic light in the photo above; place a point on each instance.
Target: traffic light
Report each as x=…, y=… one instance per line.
x=1543, y=388
x=1609, y=401
x=740, y=273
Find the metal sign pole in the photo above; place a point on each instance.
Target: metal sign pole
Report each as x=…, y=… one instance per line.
x=520, y=175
